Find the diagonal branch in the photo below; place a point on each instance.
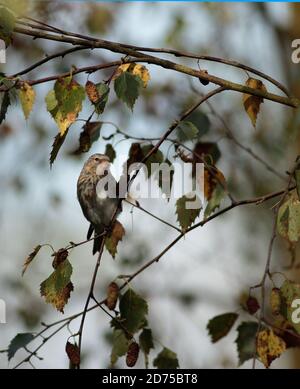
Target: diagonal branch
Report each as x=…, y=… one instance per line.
x=47, y=59
x=119, y=48
x=176, y=53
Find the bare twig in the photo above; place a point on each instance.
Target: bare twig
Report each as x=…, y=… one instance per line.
x=47, y=59
x=138, y=206
x=90, y=295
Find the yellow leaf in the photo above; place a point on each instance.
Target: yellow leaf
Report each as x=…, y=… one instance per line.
x=135, y=69
x=252, y=103
x=64, y=121
x=116, y=235
x=269, y=346
x=27, y=98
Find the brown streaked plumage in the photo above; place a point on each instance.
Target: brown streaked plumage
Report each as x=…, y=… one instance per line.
x=96, y=204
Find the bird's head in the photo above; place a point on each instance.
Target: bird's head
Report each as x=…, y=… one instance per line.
x=97, y=164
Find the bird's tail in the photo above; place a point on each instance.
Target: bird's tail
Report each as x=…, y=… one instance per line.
x=97, y=241
x=90, y=231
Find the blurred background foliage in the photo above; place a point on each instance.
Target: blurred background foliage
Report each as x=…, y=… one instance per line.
x=212, y=268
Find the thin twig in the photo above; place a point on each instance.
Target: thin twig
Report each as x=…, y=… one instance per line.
x=90, y=295
x=47, y=59
x=138, y=206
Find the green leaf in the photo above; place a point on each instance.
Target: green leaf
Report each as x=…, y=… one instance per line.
x=152, y=163
x=127, y=88
x=110, y=152
x=166, y=359
x=146, y=343
x=246, y=340
x=4, y=106
x=290, y=291
x=69, y=95
x=65, y=102
x=58, y=286
x=220, y=325
x=201, y=121
x=51, y=101
x=133, y=309
x=103, y=92
x=146, y=340
x=215, y=200
x=186, y=131
x=58, y=142
x=120, y=345
x=185, y=215
x=19, y=341
x=165, y=181
x=7, y=25
x=288, y=219
x=195, y=126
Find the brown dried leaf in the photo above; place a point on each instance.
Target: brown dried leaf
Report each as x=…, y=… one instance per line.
x=73, y=353
x=132, y=354
x=60, y=256
x=112, y=295
x=252, y=305
x=116, y=235
x=91, y=91
x=89, y=135
x=30, y=258
x=212, y=177
x=252, y=103
x=135, y=154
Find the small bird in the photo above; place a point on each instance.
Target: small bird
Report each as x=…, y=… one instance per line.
x=96, y=192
